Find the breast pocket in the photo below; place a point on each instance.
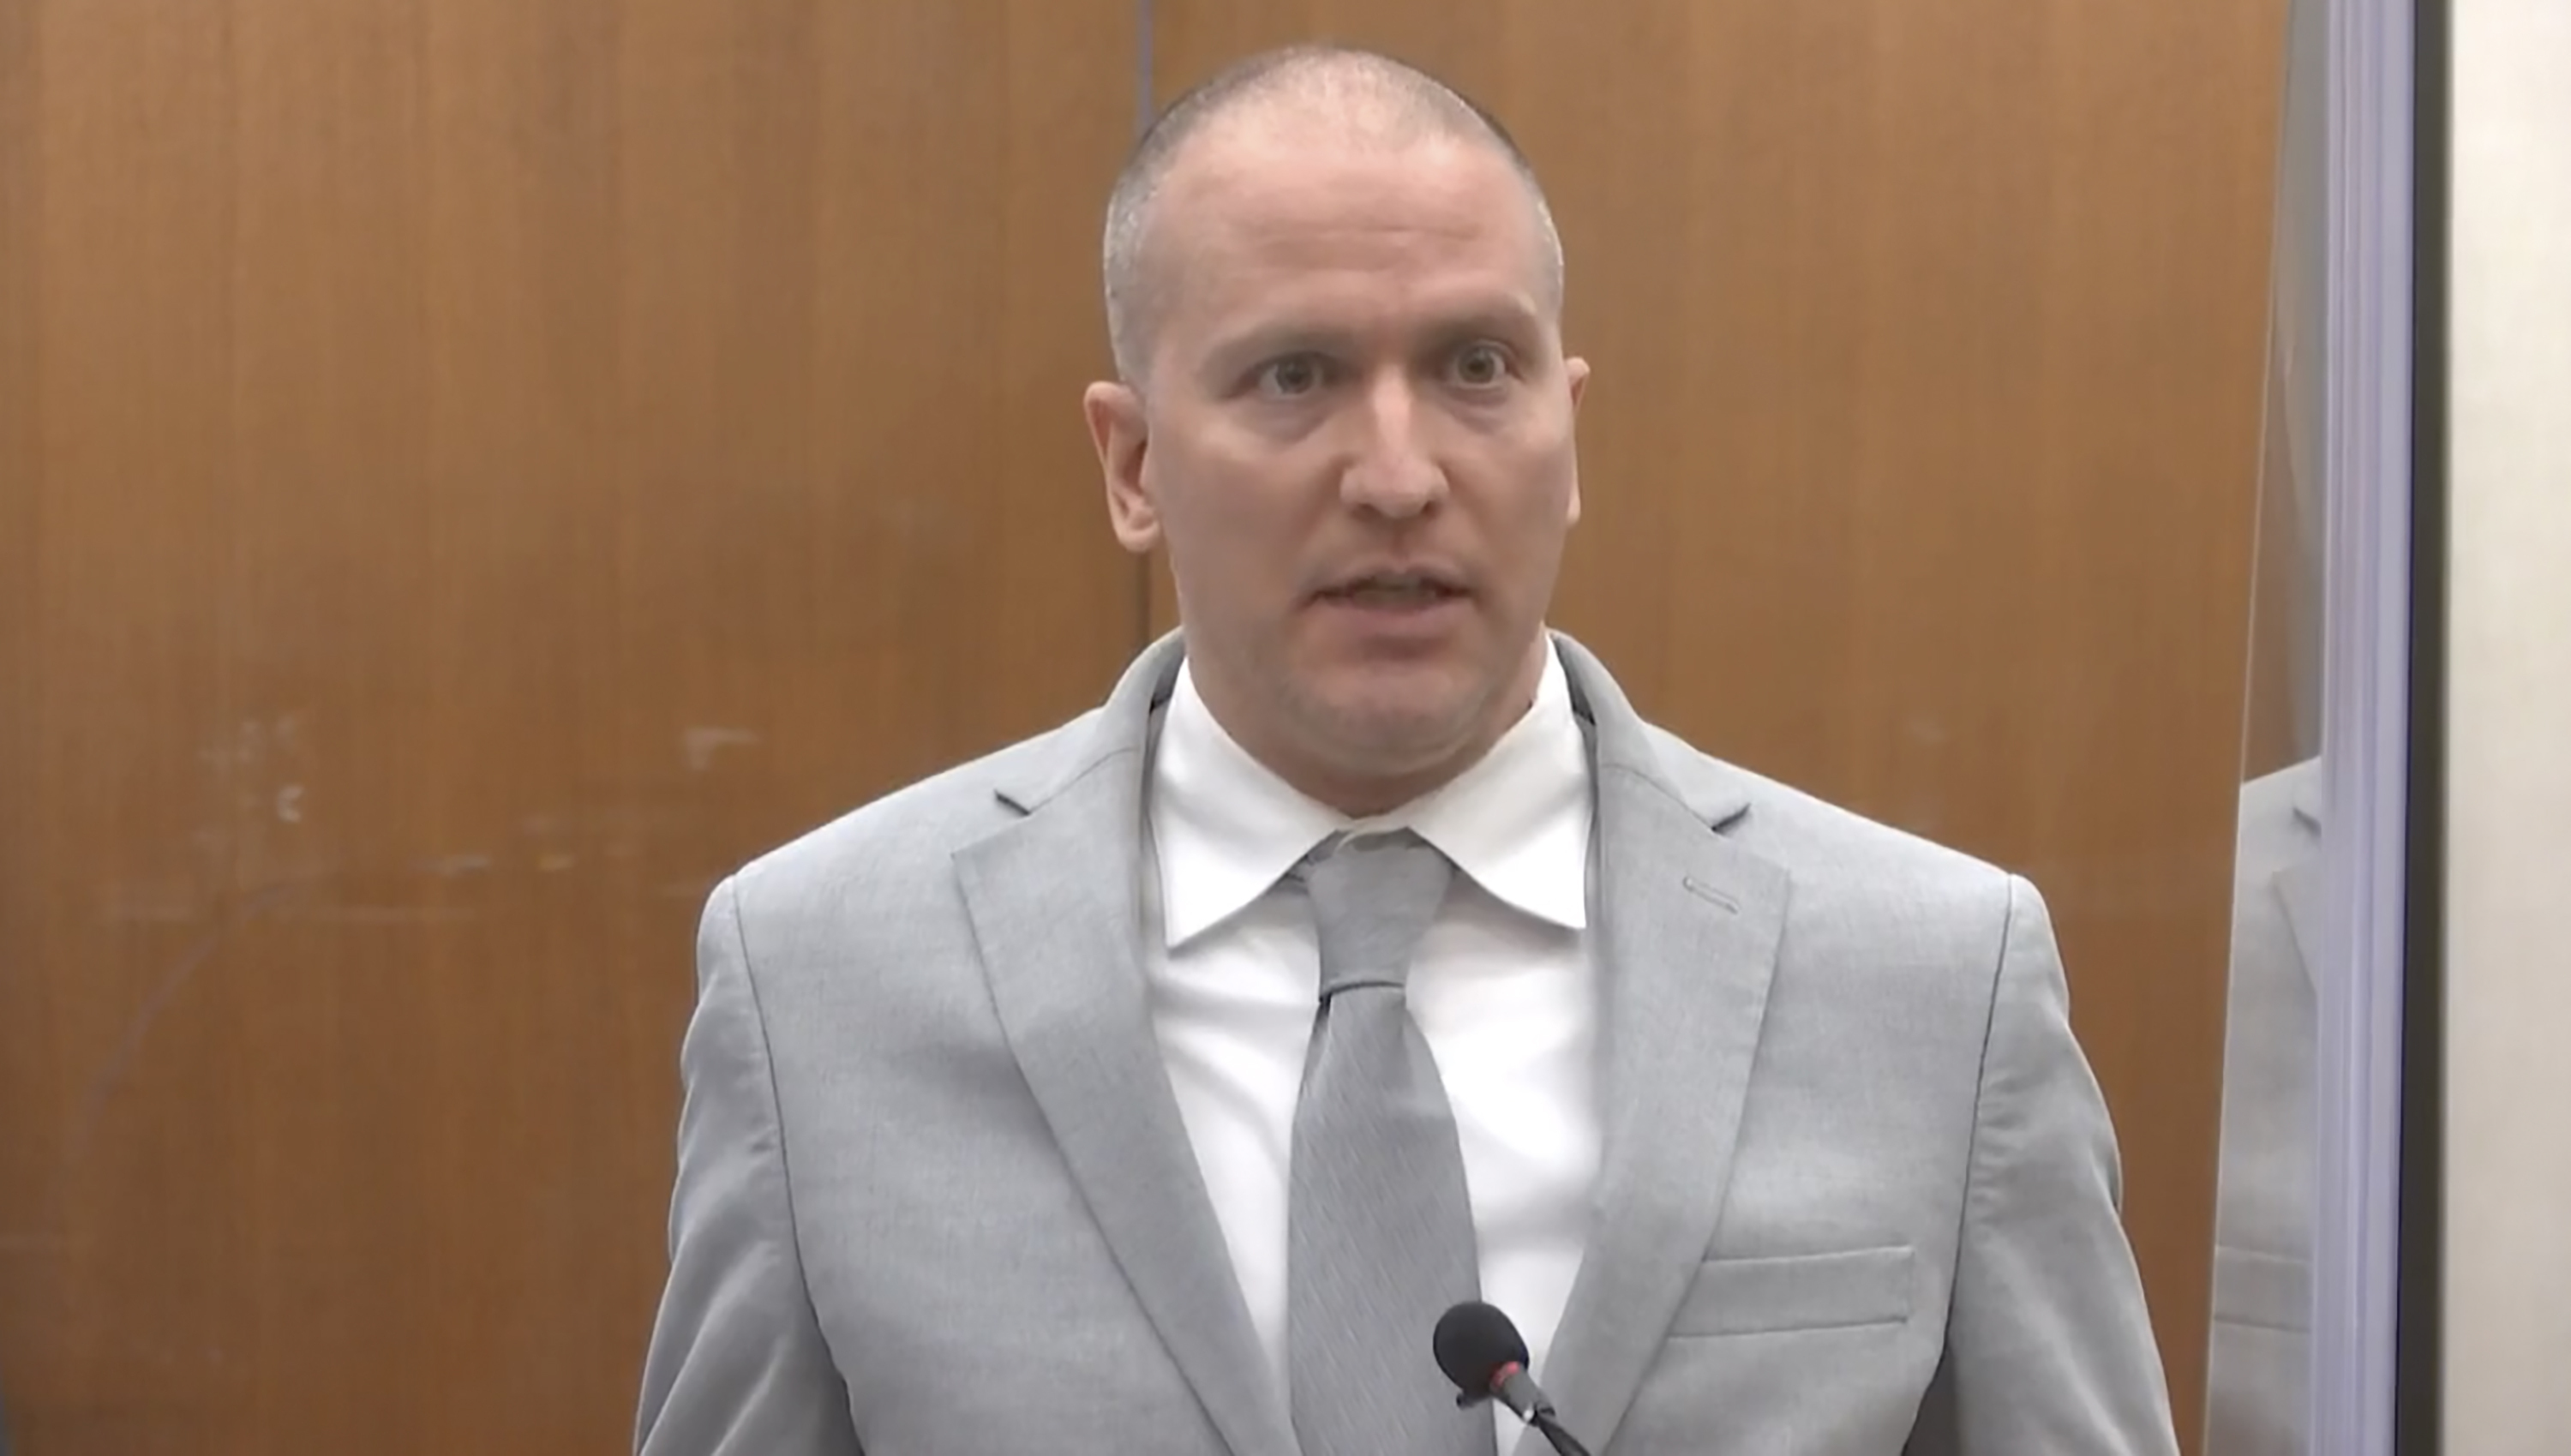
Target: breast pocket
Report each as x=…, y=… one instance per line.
x=1857, y=1287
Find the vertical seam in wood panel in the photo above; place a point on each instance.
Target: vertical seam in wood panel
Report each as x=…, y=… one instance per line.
x=1142, y=98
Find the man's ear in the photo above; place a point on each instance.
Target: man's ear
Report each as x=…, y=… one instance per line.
x=1120, y=431
x=1576, y=370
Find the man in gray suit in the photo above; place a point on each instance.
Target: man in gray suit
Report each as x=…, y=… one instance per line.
x=1153, y=1085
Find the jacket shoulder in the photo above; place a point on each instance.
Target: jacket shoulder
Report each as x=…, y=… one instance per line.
x=917, y=827
x=1835, y=856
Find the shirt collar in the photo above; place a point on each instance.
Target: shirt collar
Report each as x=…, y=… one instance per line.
x=1517, y=823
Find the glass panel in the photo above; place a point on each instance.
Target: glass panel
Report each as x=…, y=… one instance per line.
x=2259, y=1351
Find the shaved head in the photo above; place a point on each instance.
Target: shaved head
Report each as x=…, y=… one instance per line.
x=1299, y=96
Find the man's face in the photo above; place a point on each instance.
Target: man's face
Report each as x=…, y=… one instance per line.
x=1355, y=445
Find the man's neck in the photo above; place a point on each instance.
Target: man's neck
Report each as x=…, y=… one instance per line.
x=1358, y=791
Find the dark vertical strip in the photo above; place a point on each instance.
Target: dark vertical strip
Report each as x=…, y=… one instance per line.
x=28, y=998
x=22, y=530
x=2419, y=1272
x=1146, y=92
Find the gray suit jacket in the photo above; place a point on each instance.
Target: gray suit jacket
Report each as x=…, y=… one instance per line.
x=934, y=1195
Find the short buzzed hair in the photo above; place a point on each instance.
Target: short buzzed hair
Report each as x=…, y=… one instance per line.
x=1395, y=99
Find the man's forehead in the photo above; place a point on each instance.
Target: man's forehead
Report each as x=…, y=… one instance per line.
x=1244, y=187
x=1272, y=138
x=1295, y=197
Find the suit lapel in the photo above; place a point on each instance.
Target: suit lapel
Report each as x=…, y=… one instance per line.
x=1687, y=933
x=1054, y=904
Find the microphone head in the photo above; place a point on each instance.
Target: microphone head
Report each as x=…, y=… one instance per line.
x=1476, y=1346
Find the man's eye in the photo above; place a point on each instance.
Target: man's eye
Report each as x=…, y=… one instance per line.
x=1286, y=377
x=1481, y=366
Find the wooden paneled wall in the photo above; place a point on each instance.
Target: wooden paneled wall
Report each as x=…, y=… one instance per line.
x=476, y=470
x=471, y=471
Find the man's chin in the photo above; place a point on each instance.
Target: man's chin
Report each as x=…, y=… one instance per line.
x=1404, y=735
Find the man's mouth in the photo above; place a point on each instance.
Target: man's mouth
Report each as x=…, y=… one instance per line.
x=1393, y=590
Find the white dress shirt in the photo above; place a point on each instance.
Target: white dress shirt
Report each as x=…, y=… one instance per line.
x=1503, y=989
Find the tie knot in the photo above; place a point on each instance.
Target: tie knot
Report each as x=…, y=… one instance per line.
x=1374, y=897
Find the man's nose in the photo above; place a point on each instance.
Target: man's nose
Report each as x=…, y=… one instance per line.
x=1393, y=473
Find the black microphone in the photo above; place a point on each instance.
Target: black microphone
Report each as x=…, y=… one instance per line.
x=1483, y=1354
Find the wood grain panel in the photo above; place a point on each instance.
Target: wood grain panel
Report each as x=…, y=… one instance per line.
x=124, y=393
x=471, y=471
x=1921, y=457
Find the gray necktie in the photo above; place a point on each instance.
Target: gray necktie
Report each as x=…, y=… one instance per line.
x=1379, y=1233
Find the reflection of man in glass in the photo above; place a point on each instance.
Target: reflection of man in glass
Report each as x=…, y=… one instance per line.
x=2260, y=1349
